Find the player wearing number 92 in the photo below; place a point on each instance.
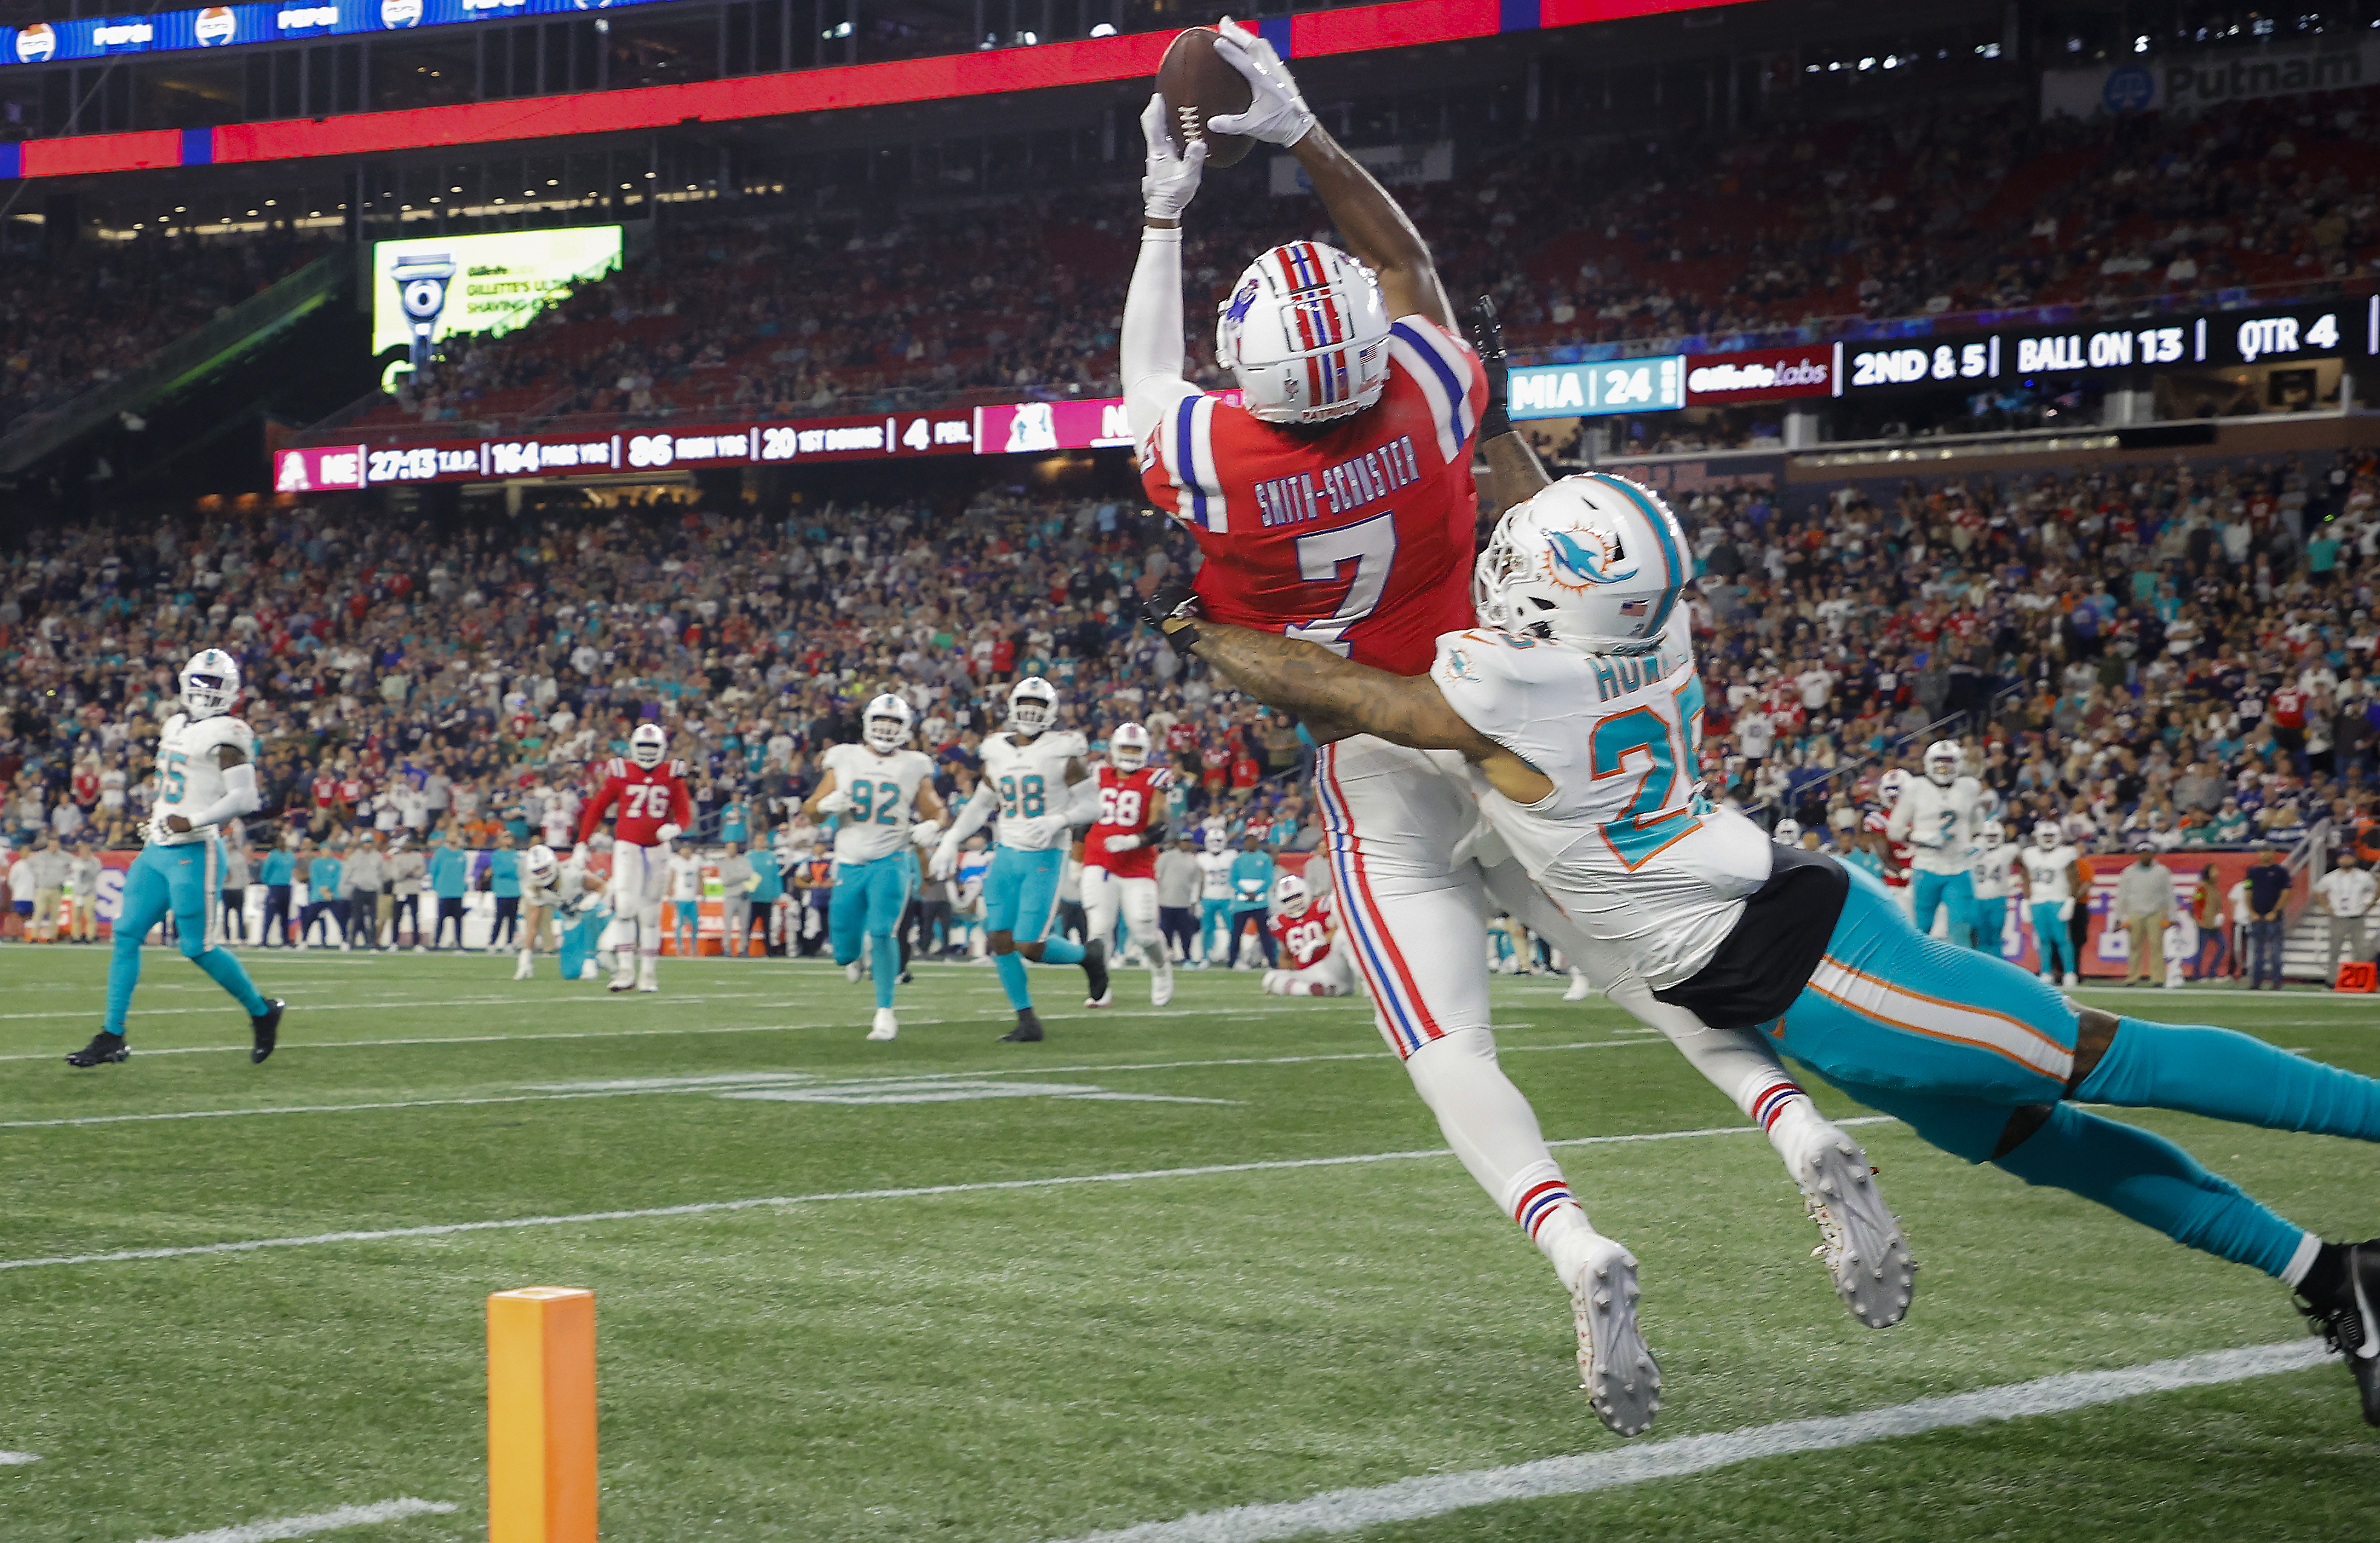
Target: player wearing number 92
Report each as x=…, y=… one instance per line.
x=206, y=778
x=1579, y=736
x=1032, y=771
x=870, y=790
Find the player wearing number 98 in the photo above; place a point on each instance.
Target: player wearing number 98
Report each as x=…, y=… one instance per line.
x=871, y=790
x=654, y=808
x=1032, y=771
x=1335, y=506
x=206, y=778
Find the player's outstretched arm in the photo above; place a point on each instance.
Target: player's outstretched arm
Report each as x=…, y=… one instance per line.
x=1514, y=472
x=973, y=814
x=819, y=803
x=1150, y=340
x=1374, y=226
x=1310, y=680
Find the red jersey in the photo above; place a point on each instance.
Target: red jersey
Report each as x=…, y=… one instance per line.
x=1128, y=804
x=1896, y=867
x=649, y=798
x=1305, y=940
x=1357, y=535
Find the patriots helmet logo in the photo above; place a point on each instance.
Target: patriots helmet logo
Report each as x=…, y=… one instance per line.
x=1586, y=555
x=1237, y=311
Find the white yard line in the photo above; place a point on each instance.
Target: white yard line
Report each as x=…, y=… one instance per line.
x=1340, y=1510
x=319, y=1521
x=17, y=1459
x=708, y=1208
x=630, y=1087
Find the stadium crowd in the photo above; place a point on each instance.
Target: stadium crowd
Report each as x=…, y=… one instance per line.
x=2170, y=652
x=1829, y=226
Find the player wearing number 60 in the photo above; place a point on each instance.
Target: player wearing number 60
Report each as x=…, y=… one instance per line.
x=869, y=789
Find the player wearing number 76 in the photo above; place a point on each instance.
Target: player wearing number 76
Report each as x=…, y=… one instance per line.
x=870, y=790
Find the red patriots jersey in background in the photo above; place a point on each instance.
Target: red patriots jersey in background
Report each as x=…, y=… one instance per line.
x=1896, y=867
x=1356, y=534
x=1305, y=940
x=649, y=799
x=1128, y=801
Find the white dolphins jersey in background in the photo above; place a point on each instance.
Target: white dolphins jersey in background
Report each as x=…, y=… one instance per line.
x=883, y=792
x=1990, y=867
x=1625, y=843
x=2048, y=876
x=188, y=775
x=1939, y=823
x=1030, y=780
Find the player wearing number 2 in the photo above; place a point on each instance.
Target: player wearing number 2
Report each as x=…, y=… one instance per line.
x=871, y=790
x=1119, y=856
x=1335, y=506
x=650, y=791
x=1030, y=771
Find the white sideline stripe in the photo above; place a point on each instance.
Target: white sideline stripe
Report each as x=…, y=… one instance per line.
x=637, y=1086
x=708, y=1208
x=319, y=1521
x=17, y=1459
x=1437, y=1494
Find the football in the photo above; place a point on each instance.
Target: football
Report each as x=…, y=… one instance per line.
x=1197, y=87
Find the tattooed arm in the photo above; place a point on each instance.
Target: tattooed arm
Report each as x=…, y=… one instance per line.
x=1319, y=687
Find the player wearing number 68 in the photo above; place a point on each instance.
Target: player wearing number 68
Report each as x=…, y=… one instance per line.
x=869, y=790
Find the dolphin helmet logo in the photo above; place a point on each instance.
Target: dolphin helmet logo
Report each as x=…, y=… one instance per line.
x=1587, y=555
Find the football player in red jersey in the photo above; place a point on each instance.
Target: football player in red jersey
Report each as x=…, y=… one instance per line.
x=1335, y=504
x=654, y=808
x=1120, y=857
x=1312, y=964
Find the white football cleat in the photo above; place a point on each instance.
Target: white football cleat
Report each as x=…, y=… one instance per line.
x=887, y=1026
x=421, y=948
x=589, y=971
x=851, y=972
x=1270, y=985
x=1860, y=1238
x=521, y=970
x=1615, y=1369
x=2072, y=978
x=1578, y=990
x=624, y=976
x=1104, y=999
x=1160, y=987
x=647, y=976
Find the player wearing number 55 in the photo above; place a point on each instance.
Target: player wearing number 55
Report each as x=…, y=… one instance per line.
x=206, y=778
x=869, y=790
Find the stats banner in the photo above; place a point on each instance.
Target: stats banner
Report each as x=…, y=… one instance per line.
x=318, y=469
x=1031, y=427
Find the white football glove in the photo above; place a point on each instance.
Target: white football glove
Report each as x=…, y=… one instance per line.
x=946, y=859
x=834, y=802
x=1277, y=112
x=1170, y=180
x=2066, y=911
x=1124, y=843
x=670, y=832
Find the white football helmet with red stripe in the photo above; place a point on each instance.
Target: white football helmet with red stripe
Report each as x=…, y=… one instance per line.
x=1128, y=752
x=648, y=745
x=1305, y=334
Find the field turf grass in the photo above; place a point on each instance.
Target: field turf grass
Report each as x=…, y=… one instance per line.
x=1041, y=1362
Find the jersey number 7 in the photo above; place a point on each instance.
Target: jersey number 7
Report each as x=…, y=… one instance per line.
x=1371, y=546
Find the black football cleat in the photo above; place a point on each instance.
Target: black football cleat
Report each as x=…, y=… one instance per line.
x=2347, y=1316
x=1027, y=1029
x=104, y=1049
x=266, y=1026
x=1094, y=967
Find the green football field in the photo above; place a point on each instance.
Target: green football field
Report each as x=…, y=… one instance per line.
x=1162, y=1265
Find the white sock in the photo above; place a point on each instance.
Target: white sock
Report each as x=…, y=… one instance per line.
x=1494, y=1131
x=1791, y=1121
x=2309, y=1249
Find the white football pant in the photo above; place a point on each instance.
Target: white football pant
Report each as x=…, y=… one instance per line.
x=1330, y=975
x=1104, y=895
x=639, y=880
x=1414, y=912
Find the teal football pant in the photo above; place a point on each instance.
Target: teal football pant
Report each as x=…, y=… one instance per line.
x=1953, y=892
x=1978, y=1056
x=869, y=901
x=581, y=937
x=1020, y=898
x=184, y=880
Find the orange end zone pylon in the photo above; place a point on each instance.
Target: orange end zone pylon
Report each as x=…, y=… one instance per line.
x=542, y=1416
